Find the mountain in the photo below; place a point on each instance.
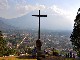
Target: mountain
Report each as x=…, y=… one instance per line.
x=51, y=22
x=4, y=26
x=23, y=22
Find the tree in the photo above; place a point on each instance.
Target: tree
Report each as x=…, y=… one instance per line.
x=75, y=36
x=4, y=49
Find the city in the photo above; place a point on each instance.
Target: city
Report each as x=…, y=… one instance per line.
x=23, y=39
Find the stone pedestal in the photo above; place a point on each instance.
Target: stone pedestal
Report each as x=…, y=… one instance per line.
x=38, y=46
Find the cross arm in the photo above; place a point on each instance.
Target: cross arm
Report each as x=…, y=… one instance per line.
x=40, y=15
x=43, y=15
x=36, y=15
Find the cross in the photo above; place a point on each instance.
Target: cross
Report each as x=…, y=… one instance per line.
x=39, y=23
x=38, y=42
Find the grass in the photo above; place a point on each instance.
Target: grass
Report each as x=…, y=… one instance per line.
x=15, y=58
x=48, y=58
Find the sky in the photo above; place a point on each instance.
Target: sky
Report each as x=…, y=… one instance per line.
x=64, y=11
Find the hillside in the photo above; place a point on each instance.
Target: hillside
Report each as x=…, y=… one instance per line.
x=4, y=26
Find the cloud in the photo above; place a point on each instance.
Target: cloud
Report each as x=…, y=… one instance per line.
x=3, y=4
x=59, y=11
x=69, y=15
x=24, y=9
x=9, y=11
x=13, y=9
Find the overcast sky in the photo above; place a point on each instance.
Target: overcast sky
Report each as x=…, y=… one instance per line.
x=62, y=8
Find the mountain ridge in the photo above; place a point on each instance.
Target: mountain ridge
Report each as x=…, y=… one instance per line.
x=4, y=26
x=51, y=22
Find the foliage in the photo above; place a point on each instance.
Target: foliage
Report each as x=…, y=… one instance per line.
x=28, y=50
x=75, y=36
x=4, y=49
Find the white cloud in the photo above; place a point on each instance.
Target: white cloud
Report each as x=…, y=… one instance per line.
x=3, y=4
x=24, y=9
x=20, y=9
x=69, y=15
x=4, y=8
x=59, y=11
